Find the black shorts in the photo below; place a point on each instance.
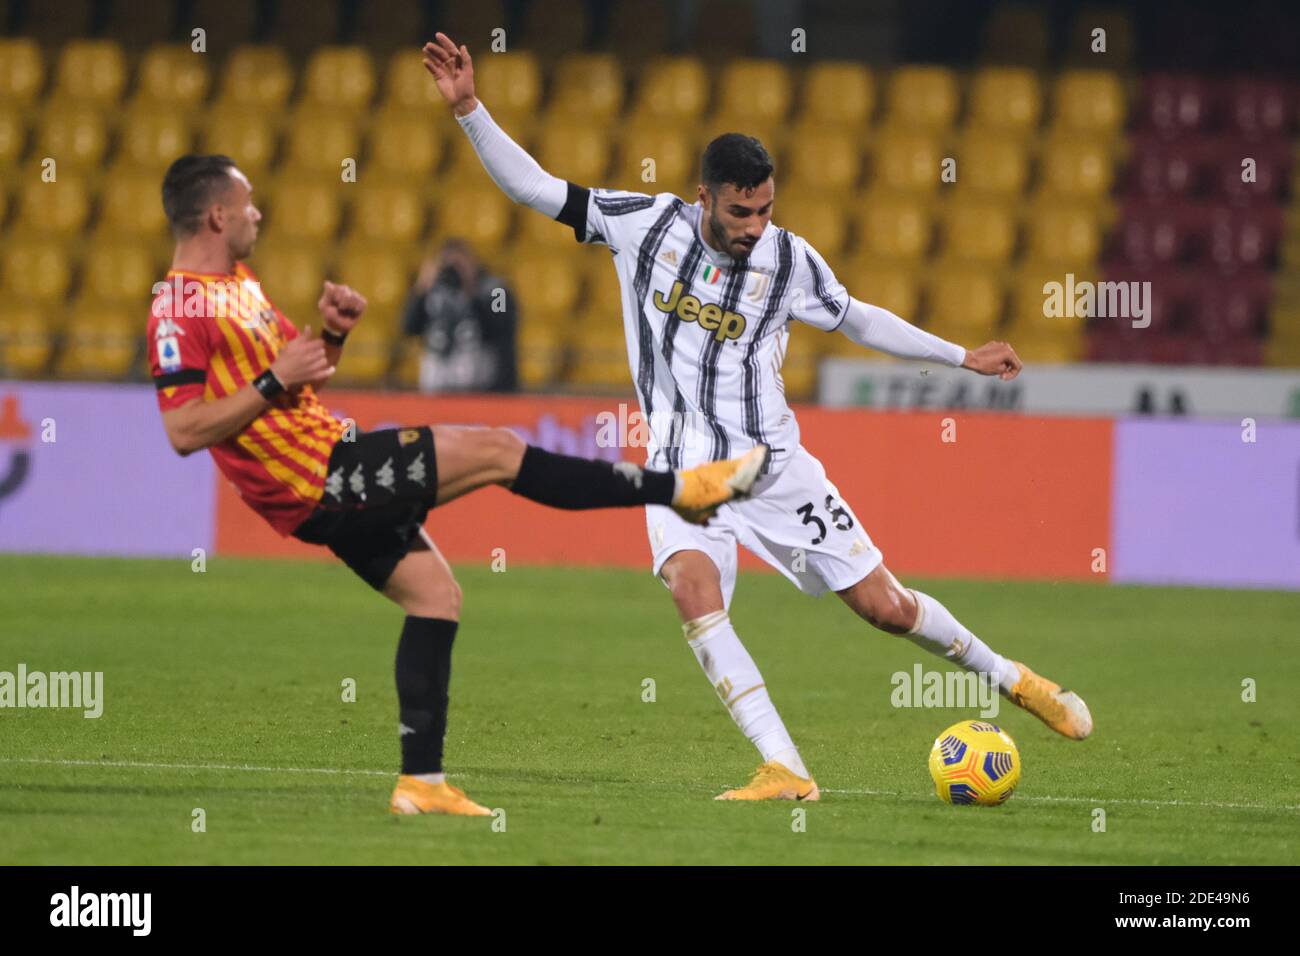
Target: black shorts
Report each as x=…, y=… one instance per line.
x=378, y=490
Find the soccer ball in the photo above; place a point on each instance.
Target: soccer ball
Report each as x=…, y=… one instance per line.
x=975, y=762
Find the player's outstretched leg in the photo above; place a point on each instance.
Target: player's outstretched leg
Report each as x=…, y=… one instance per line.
x=422, y=585
x=470, y=458
x=880, y=599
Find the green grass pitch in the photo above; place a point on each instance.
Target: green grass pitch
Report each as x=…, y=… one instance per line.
x=224, y=692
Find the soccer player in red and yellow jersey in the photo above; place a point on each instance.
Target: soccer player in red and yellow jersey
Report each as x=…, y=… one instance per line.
x=236, y=377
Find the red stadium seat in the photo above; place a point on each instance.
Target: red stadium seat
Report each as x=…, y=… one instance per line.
x=1231, y=309
x=1160, y=168
x=1272, y=165
x=1176, y=104
x=1258, y=107
x=1243, y=237
x=1155, y=234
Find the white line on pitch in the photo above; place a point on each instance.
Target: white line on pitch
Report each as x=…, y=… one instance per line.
x=1097, y=801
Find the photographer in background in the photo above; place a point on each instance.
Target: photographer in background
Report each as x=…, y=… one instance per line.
x=467, y=318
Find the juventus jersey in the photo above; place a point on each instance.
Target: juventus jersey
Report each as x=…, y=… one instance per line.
x=706, y=334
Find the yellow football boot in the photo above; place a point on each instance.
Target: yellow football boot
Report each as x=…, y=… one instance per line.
x=775, y=781
x=707, y=486
x=1062, y=710
x=416, y=796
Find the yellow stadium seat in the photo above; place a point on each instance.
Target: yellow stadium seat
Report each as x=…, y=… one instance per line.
x=604, y=298
x=818, y=217
x=541, y=351
x=22, y=70
x=804, y=350
x=600, y=359
x=770, y=135
x=174, y=75
x=370, y=353
x=131, y=204
x=979, y=231
x=822, y=158
x=1061, y=232
x=292, y=274
x=923, y=97
x=408, y=86
x=480, y=216
x=381, y=274
x=964, y=303
x=257, y=76
x=1028, y=300
x=511, y=83
x=306, y=208
x=1090, y=103
x=59, y=208
x=1017, y=33
x=757, y=91
x=340, y=78
x=101, y=339
x=320, y=141
x=388, y=212
x=1076, y=166
x=13, y=134
x=547, y=284
x=36, y=269
x=588, y=87
x=543, y=232
x=28, y=336
x=1056, y=347
x=116, y=270
x=673, y=90
x=895, y=227
x=907, y=160
x=673, y=154
x=888, y=284
x=578, y=152
x=405, y=144
x=91, y=71
x=152, y=137
x=73, y=134
x=1006, y=99
x=992, y=163
x=839, y=95
x=244, y=134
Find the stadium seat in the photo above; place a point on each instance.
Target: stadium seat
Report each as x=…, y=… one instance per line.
x=1156, y=234
x=1175, y=104
x=118, y=270
x=821, y=158
x=13, y=135
x=408, y=85
x=771, y=135
x=340, y=78
x=908, y=161
x=600, y=357
x=1161, y=169
x=381, y=274
x=1259, y=107
x=755, y=91
x=319, y=142
x=548, y=284
x=804, y=349
x=372, y=350
x=1006, y=99
x=388, y=212
x=481, y=216
x=965, y=303
x=992, y=163
x=91, y=71
x=292, y=274
x=404, y=144
x=22, y=70
x=894, y=227
x=841, y=96
x=588, y=87
x=259, y=77
x=981, y=231
x=306, y=208
x=676, y=160
x=541, y=351
x=922, y=97
x=1016, y=33
x=36, y=269
x=173, y=75
x=1076, y=166
x=672, y=91
x=1090, y=103
x=1224, y=171
x=153, y=137
x=817, y=216
x=245, y=134
x=891, y=286
x=28, y=336
x=1230, y=308
x=130, y=205
x=59, y=208
x=1063, y=233
x=100, y=340
x=578, y=152
x=73, y=134
x=1243, y=237
x=1029, y=302
x=512, y=83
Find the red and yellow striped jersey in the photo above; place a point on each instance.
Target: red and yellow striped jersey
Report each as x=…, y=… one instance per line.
x=209, y=335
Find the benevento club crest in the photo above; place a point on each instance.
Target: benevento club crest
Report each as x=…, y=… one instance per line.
x=15, y=436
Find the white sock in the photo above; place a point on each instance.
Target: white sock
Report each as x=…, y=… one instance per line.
x=940, y=633
x=735, y=677
x=434, y=778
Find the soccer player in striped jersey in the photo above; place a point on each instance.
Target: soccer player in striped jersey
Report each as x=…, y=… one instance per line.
x=236, y=377
x=709, y=289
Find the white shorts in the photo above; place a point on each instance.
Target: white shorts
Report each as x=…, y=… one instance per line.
x=795, y=521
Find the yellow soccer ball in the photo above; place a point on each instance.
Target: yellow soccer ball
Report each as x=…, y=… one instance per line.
x=975, y=762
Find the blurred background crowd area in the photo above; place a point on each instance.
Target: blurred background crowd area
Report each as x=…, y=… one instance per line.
x=1125, y=165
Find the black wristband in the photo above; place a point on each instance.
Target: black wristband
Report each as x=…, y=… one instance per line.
x=333, y=338
x=268, y=385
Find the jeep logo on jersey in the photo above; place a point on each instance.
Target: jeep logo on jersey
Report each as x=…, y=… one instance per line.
x=723, y=325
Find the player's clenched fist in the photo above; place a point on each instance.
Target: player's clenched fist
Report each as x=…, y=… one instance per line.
x=453, y=71
x=994, y=358
x=341, y=307
x=302, y=362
